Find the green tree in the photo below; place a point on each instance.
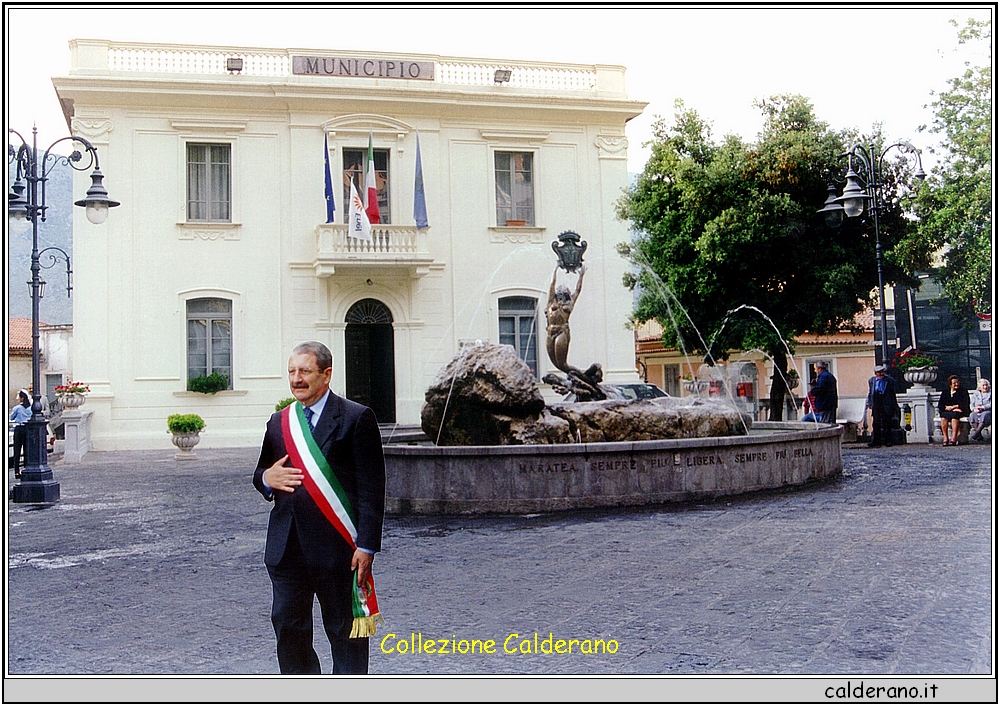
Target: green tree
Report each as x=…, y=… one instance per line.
x=728, y=224
x=955, y=206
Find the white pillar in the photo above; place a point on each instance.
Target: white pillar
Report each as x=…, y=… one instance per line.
x=77, y=430
x=923, y=402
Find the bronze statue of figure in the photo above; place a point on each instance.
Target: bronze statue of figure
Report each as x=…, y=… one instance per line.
x=557, y=312
x=584, y=384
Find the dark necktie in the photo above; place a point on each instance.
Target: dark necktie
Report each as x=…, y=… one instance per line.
x=309, y=418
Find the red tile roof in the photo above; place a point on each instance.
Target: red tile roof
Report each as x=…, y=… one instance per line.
x=19, y=335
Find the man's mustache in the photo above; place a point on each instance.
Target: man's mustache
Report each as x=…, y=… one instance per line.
x=300, y=386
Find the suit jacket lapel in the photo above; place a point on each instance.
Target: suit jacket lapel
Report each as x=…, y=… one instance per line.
x=328, y=421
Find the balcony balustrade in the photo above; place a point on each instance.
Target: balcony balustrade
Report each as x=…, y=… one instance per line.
x=174, y=59
x=391, y=246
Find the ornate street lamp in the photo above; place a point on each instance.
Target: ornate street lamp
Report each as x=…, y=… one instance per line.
x=25, y=208
x=865, y=190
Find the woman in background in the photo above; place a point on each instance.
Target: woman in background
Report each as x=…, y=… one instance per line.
x=953, y=406
x=18, y=416
x=982, y=410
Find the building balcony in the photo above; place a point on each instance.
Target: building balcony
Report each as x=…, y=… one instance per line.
x=391, y=246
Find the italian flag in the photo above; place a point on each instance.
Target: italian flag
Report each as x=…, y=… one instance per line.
x=371, y=193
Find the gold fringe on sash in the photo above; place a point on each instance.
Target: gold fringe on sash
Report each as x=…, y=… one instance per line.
x=365, y=627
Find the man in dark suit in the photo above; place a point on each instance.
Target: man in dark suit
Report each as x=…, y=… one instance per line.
x=885, y=409
x=306, y=555
x=824, y=392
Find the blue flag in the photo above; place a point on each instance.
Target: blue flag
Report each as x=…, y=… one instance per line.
x=331, y=207
x=419, y=203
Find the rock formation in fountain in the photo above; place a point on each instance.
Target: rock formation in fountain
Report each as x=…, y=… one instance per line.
x=488, y=397
x=484, y=394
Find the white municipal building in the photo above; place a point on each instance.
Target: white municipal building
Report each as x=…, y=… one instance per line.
x=220, y=257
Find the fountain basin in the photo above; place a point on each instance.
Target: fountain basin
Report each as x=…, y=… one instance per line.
x=446, y=480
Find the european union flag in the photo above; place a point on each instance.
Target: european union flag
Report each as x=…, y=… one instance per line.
x=419, y=203
x=331, y=207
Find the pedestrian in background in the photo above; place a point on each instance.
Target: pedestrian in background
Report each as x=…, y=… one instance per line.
x=19, y=415
x=982, y=410
x=884, y=408
x=953, y=405
x=824, y=394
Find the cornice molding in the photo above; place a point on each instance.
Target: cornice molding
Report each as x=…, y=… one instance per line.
x=358, y=123
x=227, y=126
x=516, y=136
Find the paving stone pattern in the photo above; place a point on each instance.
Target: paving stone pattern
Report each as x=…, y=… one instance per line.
x=153, y=566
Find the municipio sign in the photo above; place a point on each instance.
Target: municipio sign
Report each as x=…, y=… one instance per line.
x=362, y=67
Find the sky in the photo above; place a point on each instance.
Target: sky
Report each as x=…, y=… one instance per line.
x=858, y=65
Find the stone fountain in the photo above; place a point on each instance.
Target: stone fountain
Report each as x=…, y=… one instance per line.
x=498, y=448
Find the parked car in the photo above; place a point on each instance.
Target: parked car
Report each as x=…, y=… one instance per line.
x=629, y=391
x=639, y=390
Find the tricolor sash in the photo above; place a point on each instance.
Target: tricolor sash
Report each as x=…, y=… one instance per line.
x=326, y=491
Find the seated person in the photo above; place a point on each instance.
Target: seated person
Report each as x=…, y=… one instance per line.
x=953, y=405
x=809, y=406
x=982, y=410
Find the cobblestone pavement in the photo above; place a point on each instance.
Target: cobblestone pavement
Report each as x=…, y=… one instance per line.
x=152, y=566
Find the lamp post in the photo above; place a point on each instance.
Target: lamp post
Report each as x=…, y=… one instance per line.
x=25, y=208
x=865, y=189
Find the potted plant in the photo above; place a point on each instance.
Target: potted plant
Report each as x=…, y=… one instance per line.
x=918, y=367
x=186, y=429
x=283, y=403
x=72, y=394
x=208, y=384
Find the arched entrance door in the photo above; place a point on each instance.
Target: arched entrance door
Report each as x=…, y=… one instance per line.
x=370, y=366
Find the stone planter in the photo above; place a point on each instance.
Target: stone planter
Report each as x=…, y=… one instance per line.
x=185, y=442
x=72, y=400
x=921, y=376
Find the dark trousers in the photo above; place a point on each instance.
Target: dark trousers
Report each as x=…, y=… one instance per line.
x=294, y=584
x=20, y=442
x=882, y=423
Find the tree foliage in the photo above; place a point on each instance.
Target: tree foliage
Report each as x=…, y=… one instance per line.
x=730, y=223
x=955, y=206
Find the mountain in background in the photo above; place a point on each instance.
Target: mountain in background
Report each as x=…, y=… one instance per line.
x=57, y=229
